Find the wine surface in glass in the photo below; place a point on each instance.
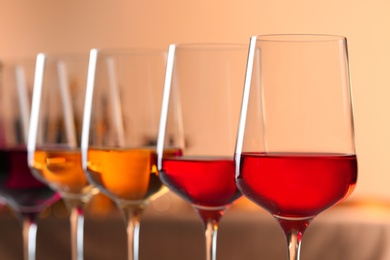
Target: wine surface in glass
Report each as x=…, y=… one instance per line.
x=62, y=170
x=128, y=174
x=205, y=182
x=24, y=193
x=297, y=186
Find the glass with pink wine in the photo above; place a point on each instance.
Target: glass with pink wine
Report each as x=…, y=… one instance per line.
x=295, y=152
x=200, y=111
x=26, y=195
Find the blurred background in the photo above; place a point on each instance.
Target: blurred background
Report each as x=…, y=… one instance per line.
x=29, y=27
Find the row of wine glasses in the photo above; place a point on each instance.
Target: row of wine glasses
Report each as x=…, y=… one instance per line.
x=210, y=122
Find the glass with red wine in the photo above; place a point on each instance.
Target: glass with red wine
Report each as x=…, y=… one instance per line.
x=295, y=152
x=23, y=193
x=199, y=115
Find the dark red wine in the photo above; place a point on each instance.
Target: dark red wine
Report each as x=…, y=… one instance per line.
x=203, y=182
x=297, y=185
x=21, y=190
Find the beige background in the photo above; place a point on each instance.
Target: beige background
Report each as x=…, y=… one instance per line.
x=31, y=26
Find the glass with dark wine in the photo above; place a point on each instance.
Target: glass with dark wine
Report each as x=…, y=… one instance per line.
x=202, y=95
x=295, y=152
x=120, y=128
x=55, y=134
x=26, y=195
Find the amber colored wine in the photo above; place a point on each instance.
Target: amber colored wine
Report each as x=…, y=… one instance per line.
x=23, y=192
x=128, y=174
x=205, y=182
x=297, y=185
x=62, y=170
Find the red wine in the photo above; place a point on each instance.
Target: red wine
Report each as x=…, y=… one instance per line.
x=296, y=185
x=22, y=191
x=203, y=182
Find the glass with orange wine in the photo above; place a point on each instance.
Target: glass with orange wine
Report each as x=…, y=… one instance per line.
x=120, y=127
x=23, y=193
x=295, y=152
x=55, y=133
x=200, y=112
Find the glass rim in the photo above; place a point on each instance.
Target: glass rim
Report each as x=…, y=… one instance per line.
x=128, y=51
x=62, y=55
x=300, y=37
x=210, y=46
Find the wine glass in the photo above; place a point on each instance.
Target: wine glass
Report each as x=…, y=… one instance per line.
x=54, y=138
x=199, y=116
x=295, y=153
x=26, y=195
x=120, y=130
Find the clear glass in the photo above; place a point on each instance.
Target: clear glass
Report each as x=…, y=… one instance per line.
x=295, y=153
x=55, y=134
x=200, y=112
x=26, y=195
x=120, y=130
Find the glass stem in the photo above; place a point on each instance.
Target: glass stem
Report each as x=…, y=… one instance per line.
x=294, y=230
x=29, y=226
x=294, y=244
x=77, y=232
x=210, y=220
x=211, y=231
x=76, y=208
x=132, y=215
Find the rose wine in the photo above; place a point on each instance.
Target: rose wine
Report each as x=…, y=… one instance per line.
x=297, y=185
x=22, y=191
x=62, y=170
x=127, y=174
x=205, y=182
